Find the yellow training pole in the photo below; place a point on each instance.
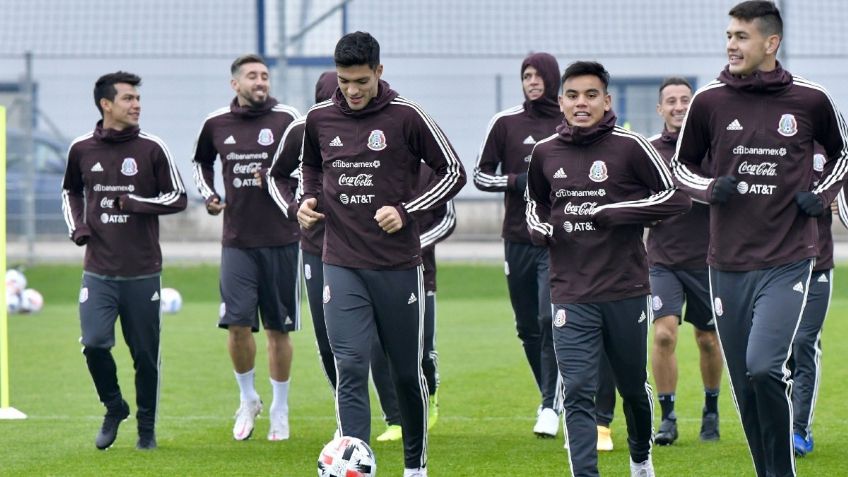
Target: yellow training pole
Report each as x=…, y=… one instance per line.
x=6, y=411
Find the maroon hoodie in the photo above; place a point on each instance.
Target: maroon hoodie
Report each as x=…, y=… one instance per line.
x=245, y=139
x=760, y=129
x=355, y=162
x=679, y=242
x=116, y=185
x=510, y=138
x=590, y=191
x=282, y=171
x=821, y=168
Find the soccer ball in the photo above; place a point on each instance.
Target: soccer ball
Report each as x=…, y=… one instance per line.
x=31, y=301
x=170, y=300
x=16, y=282
x=347, y=457
x=13, y=302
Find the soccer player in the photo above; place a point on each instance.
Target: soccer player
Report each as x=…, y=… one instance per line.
x=805, y=362
x=435, y=226
x=502, y=167
x=757, y=124
x=590, y=188
x=259, y=256
x=117, y=183
x=677, y=254
x=286, y=164
x=362, y=153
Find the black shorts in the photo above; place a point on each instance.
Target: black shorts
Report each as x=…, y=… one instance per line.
x=262, y=282
x=671, y=288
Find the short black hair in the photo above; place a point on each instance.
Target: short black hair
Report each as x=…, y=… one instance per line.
x=673, y=80
x=582, y=68
x=245, y=59
x=104, y=87
x=770, y=21
x=357, y=48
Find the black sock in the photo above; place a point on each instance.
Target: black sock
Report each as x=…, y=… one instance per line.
x=667, y=404
x=710, y=400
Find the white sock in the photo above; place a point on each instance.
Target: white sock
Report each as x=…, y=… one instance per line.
x=246, y=388
x=280, y=404
x=422, y=471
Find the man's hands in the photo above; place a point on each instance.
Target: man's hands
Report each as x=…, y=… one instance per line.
x=389, y=219
x=809, y=203
x=306, y=215
x=214, y=206
x=723, y=188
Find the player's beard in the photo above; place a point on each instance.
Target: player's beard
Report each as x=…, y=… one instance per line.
x=254, y=102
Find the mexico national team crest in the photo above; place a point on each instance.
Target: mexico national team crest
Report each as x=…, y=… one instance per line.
x=598, y=171
x=559, y=319
x=266, y=137
x=787, y=126
x=129, y=167
x=376, y=140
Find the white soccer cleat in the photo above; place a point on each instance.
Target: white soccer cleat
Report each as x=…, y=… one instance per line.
x=279, y=430
x=419, y=472
x=245, y=419
x=547, y=424
x=642, y=469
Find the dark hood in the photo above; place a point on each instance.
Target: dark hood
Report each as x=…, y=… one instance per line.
x=586, y=136
x=325, y=87
x=669, y=136
x=248, y=112
x=385, y=95
x=548, y=68
x=113, y=135
x=759, y=82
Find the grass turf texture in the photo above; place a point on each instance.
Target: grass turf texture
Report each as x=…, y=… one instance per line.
x=487, y=395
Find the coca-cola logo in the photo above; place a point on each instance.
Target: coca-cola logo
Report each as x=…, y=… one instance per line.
x=106, y=203
x=360, y=180
x=586, y=208
x=761, y=169
x=248, y=168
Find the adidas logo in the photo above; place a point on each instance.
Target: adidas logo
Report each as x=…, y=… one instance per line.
x=97, y=168
x=734, y=126
x=823, y=278
x=230, y=140
x=529, y=140
x=155, y=296
x=412, y=299
x=560, y=174
x=336, y=142
x=799, y=287
x=642, y=317
x=289, y=320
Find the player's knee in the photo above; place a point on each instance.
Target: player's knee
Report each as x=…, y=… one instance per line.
x=528, y=333
x=707, y=341
x=240, y=333
x=664, y=338
x=352, y=365
x=579, y=386
x=94, y=349
x=760, y=371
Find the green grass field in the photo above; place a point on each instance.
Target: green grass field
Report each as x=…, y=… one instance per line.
x=487, y=396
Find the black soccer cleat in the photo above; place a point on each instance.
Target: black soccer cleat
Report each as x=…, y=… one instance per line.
x=709, y=427
x=146, y=441
x=667, y=433
x=109, y=429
